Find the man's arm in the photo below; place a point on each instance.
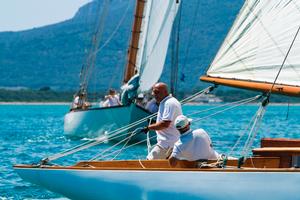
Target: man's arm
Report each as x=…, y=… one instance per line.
x=159, y=125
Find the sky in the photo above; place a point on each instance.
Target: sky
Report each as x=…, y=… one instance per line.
x=16, y=15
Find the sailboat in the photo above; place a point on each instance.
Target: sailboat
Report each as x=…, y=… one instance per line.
x=261, y=53
x=147, y=53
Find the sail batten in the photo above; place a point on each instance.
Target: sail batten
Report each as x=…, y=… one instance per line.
x=258, y=42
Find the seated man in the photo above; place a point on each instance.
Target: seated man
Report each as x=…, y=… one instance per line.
x=192, y=145
x=80, y=102
x=112, y=99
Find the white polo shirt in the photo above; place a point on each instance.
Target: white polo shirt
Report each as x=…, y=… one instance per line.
x=169, y=109
x=194, y=145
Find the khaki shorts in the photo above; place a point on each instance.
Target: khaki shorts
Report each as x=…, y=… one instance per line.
x=159, y=153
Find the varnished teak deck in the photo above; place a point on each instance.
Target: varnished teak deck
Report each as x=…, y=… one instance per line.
x=274, y=156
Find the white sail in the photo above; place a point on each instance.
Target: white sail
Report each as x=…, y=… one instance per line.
x=258, y=42
x=159, y=16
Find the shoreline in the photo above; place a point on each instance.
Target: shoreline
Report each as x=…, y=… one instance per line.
x=94, y=103
x=34, y=103
x=272, y=104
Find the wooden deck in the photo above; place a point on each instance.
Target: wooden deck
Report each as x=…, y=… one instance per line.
x=266, y=159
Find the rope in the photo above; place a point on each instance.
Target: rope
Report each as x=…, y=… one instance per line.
x=150, y=117
x=242, y=135
x=129, y=138
x=254, y=130
x=260, y=113
x=91, y=58
x=194, y=96
x=83, y=146
x=123, y=149
x=115, y=31
x=111, y=147
x=234, y=106
x=248, y=100
x=142, y=164
x=116, y=133
x=148, y=139
x=220, y=163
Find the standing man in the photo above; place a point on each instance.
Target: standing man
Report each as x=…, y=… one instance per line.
x=193, y=144
x=167, y=134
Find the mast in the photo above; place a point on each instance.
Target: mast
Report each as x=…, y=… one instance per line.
x=135, y=37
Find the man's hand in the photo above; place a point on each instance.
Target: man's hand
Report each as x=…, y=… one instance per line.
x=173, y=161
x=144, y=130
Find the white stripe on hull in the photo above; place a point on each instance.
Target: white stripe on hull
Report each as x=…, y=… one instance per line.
x=148, y=185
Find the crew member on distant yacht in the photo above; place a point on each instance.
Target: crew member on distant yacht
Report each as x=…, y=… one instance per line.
x=167, y=134
x=112, y=99
x=77, y=102
x=152, y=106
x=192, y=145
x=80, y=102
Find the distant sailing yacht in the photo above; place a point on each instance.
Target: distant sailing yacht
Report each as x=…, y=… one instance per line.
x=147, y=53
x=261, y=53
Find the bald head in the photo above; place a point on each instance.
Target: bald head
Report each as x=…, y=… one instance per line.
x=160, y=91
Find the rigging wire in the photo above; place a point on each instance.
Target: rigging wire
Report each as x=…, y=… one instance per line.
x=128, y=139
x=245, y=130
x=248, y=100
x=285, y=58
x=288, y=110
x=254, y=130
x=116, y=133
x=129, y=146
x=229, y=108
x=191, y=31
x=97, y=38
x=87, y=69
x=120, y=142
x=115, y=30
x=260, y=113
x=175, y=54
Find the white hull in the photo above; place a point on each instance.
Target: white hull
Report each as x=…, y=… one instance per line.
x=151, y=184
x=96, y=121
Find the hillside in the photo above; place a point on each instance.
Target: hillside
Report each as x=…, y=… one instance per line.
x=53, y=55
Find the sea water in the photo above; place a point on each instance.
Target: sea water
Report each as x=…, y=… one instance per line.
x=29, y=133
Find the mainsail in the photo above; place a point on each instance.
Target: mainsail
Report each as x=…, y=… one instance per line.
x=152, y=30
x=256, y=46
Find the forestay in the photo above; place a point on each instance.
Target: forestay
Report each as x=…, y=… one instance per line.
x=258, y=42
x=154, y=39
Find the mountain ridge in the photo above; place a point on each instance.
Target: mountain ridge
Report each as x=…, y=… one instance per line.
x=53, y=55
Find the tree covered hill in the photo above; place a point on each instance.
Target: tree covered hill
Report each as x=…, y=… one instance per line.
x=53, y=55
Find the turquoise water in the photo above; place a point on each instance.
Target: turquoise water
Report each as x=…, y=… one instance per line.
x=29, y=133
